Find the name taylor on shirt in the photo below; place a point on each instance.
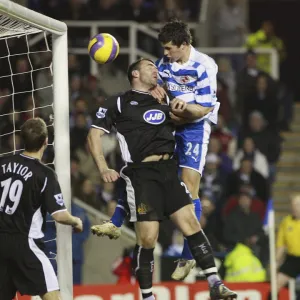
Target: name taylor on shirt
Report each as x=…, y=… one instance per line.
x=17, y=168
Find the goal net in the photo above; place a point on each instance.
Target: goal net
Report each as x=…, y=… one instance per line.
x=34, y=83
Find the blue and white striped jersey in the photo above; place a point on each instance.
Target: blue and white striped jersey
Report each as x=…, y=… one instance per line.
x=194, y=82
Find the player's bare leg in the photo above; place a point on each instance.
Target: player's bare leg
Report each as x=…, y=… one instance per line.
x=186, y=221
x=186, y=263
x=54, y=295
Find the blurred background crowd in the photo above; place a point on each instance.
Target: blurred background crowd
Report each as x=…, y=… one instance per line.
x=244, y=149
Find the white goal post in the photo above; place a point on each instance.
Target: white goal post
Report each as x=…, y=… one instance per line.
x=16, y=20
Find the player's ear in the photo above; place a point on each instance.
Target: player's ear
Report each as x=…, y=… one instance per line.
x=135, y=73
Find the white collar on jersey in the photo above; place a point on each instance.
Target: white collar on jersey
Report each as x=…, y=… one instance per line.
x=140, y=92
x=27, y=156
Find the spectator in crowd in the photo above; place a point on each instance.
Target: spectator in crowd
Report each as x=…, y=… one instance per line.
x=257, y=205
x=247, y=175
x=74, y=66
x=224, y=135
x=13, y=144
x=78, y=133
x=73, y=10
x=75, y=88
x=265, y=37
x=76, y=176
x=44, y=80
x=242, y=224
x=139, y=10
x=263, y=99
x=246, y=80
x=242, y=265
x=230, y=24
x=212, y=180
x=230, y=28
x=227, y=75
x=87, y=193
x=259, y=160
x=87, y=165
x=22, y=83
x=93, y=94
x=266, y=140
x=288, y=243
x=225, y=162
x=9, y=124
x=223, y=97
x=80, y=107
x=210, y=224
x=105, y=10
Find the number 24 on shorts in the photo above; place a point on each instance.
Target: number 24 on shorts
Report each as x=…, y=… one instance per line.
x=192, y=150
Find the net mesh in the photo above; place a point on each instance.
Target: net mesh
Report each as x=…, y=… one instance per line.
x=26, y=91
x=9, y=27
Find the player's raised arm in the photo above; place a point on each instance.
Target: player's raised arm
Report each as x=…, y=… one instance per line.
x=103, y=123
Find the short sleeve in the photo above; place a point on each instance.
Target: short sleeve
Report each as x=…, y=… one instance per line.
x=106, y=115
x=52, y=194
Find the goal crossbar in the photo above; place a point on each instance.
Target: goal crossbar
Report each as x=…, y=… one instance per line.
x=22, y=14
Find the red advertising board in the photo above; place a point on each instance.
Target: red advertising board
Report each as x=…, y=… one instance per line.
x=169, y=291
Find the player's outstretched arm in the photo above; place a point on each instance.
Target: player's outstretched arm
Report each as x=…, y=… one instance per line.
x=189, y=111
x=65, y=218
x=95, y=146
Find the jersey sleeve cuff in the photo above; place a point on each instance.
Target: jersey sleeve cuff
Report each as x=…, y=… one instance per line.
x=101, y=128
x=57, y=211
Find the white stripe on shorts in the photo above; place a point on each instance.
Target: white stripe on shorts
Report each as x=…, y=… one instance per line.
x=49, y=274
x=204, y=148
x=130, y=196
x=205, y=142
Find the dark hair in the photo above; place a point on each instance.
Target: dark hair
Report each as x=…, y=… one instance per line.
x=34, y=133
x=176, y=32
x=135, y=66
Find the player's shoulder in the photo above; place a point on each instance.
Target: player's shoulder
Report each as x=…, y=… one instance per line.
x=202, y=60
x=48, y=172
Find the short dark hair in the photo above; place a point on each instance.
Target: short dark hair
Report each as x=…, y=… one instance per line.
x=135, y=66
x=34, y=133
x=176, y=32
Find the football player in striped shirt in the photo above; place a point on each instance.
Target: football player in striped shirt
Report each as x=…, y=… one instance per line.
x=188, y=75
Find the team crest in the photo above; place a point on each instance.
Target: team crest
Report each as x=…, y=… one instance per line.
x=184, y=79
x=59, y=199
x=101, y=113
x=142, y=209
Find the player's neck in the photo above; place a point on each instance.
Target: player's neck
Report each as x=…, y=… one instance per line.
x=140, y=88
x=186, y=56
x=38, y=155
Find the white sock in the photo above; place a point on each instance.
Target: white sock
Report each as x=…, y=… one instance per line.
x=212, y=279
x=150, y=298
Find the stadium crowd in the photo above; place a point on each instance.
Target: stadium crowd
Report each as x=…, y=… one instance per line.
x=244, y=147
